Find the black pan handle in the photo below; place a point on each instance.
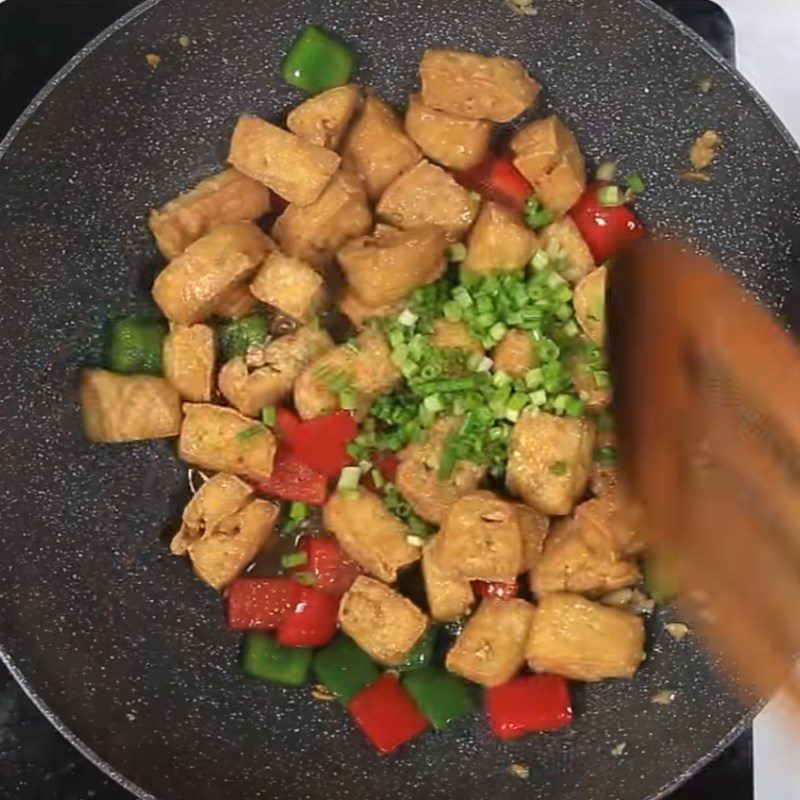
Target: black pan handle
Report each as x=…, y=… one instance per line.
x=708, y=20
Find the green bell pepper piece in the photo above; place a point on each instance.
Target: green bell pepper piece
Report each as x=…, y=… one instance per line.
x=422, y=653
x=135, y=345
x=344, y=668
x=266, y=660
x=238, y=336
x=441, y=696
x=317, y=61
x=659, y=580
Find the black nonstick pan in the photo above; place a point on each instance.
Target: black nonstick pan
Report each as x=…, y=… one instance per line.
x=115, y=640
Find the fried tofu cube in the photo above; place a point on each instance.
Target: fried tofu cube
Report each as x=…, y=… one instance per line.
x=219, y=497
x=293, y=168
x=384, y=269
x=455, y=142
x=549, y=459
x=221, y=439
x=475, y=86
x=366, y=366
x=418, y=480
x=491, y=648
x=584, y=641
x=515, y=354
x=128, y=408
x=546, y=153
x=324, y=119
x=534, y=527
x=454, y=336
x=589, y=301
x=277, y=366
x=190, y=287
x=449, y=595
x=236, y=303
x=569, y=564
x=383, y=623
x=314, y=233
x=563, y=240
x=499, y=241
x=481, y=538
x=223, y=553
x=189, y=358
x=358, y=312
x=216, y=200
x=369, y=533
x=377, y=149
x=428, y=195
x=290, y=285
x=605, y=523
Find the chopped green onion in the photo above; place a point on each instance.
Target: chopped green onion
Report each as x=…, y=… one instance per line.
x=536, y=216
x=298, y=510
x=408, y=318
x=605, y=455
x=453, y=311
x=501, y=379
x=268, y=416
x=606, y=172
x=610, y=196
x=349, y=479
x=574, y=407
x=570, y=329
x=634, y=183
x=377, y=478
x=456, y=253
x=498, y=331
x=433, y=403
x=533, y=378
x=291, y=560
x=540, y=260
x=305, y=578
x=348, y=399
x=559, y=468
x=462, y=296
x=538, y=398
x=248, y=433
x=414, y=541
x=601, y=379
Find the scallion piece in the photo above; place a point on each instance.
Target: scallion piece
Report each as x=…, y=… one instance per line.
x=305, y=578
x=248, y=433
x=605, y=455
x=501, y=379
x=298, y=510
x=533, y=378
x=540, y=260
x=539, y=397
x=433, y=403
x=408, y=318
x=634, y=183
x=536, y=216
x=349, y=479
x=268, y=416
x=610, y=196
x=498, y=331
x=453, y=311
x=348, y=399
x=291, y=560
x=456, y=253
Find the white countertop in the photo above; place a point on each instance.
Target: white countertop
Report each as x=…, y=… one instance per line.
x=768, y=49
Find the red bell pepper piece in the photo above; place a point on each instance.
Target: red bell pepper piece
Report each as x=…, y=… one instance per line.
x=320, y=442
x=293, y=479
x=386, y=714
x=333, y=571
x=496, y=178
x=501, y=590
x=528, y=704
x=311, y=620
x=606, y=229
x=258, y=604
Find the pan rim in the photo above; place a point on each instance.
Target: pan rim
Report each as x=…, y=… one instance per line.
x=651, y=7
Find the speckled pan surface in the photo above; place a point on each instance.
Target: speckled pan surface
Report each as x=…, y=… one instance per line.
x=116, y=639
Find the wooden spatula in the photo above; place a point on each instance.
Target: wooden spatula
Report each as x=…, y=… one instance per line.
x=707, y=402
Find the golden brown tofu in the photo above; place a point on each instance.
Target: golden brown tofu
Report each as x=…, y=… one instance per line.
x=562, y=239
x=476, y=86
x=222, y=553
x=190, y=287
x=454, y=336
x=515, y=354
x=315, y=232
x=455, y=142
x=358, y=312
x=589, y=301
x=217, y=498
x=369, y=533
x=216, y=200
x=491, y=648
x=449, y=595
x=534, y=527
x=428, y=195
x=377, y=149
x=236, y=303
x=217, y=438
x=569, y=564
x=481, y=538
x=290, y=285
x=324, y=119
x=293, y=168
x=546, y=153
x=584, y=641
x=189, y=357
x=128, y=408
x=367, y=365
x=382, y=622
x=499, y=241
x=418, y=480
x=549, y=458
x=277, y=366
x=384, y=269
x=604, y=523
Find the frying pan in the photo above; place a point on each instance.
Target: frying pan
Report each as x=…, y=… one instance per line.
x=115, y=640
